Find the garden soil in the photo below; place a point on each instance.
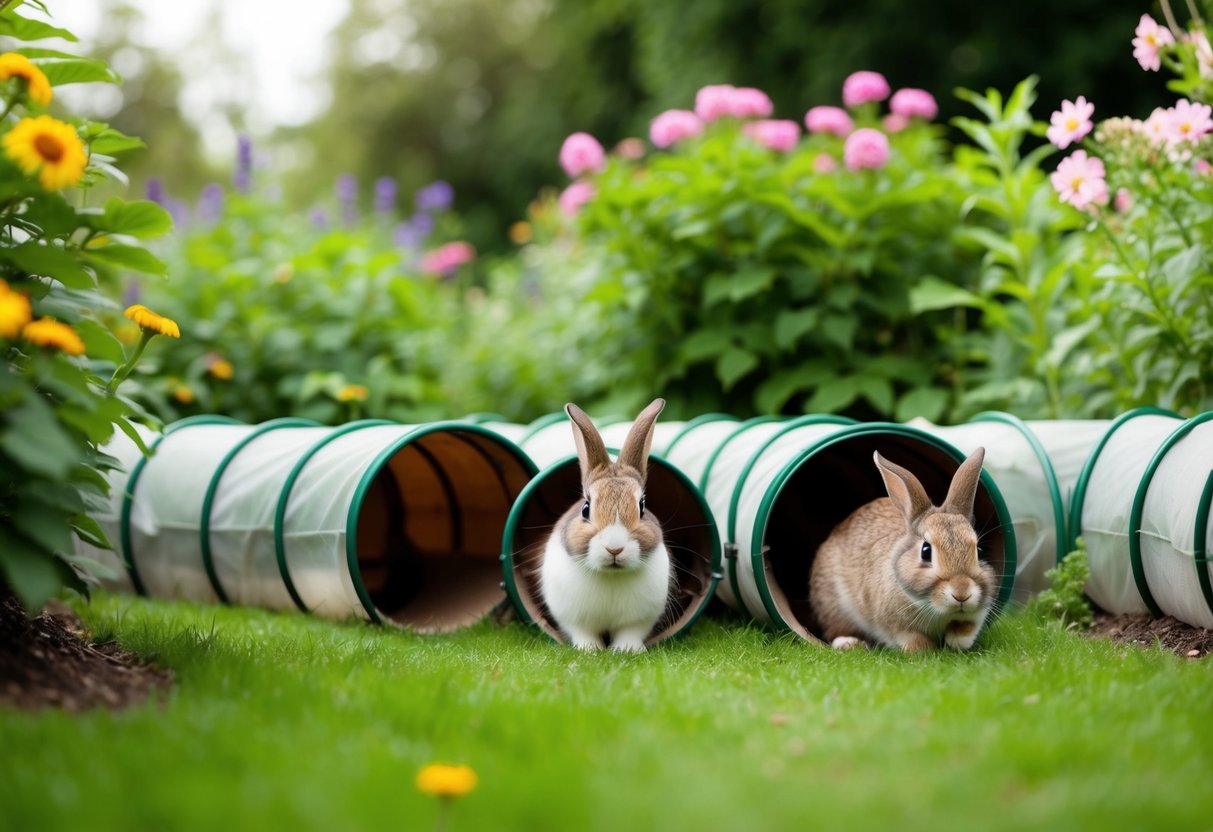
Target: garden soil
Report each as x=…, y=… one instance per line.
x=49, y=662
x=1169, y=633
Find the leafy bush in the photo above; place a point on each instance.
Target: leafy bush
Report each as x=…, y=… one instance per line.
x=755, y=271
x=1064, y=602
x=57, y=254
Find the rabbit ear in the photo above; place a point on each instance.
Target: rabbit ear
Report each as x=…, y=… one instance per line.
x=963, y=491
x=904, y=489
x=591, y=451
x=635, y=450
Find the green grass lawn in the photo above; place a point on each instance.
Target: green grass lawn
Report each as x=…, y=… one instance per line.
x=279, y=721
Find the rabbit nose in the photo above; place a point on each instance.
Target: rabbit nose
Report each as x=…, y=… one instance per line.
x=961, y=598
x=614, y=552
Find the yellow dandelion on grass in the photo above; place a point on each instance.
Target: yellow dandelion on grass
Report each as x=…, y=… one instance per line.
x=352, y=393
x=13, y=65
x=47, y=332
x=48, y=147
x=15, y=312
x=150, y=321
x=439, y=780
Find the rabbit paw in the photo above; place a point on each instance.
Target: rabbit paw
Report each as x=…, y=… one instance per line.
x=628, y=641
x=584, y=639
x=847, y=643
x=913, y=642
x=960, y=635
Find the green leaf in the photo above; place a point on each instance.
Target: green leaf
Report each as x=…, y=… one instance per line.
x=932, y=293
x=839, y=328
x=923, y=402
x=131, y=257
x=23, y=28
x=34, y=439
x=774, y=393
x=139, y=218
x=43, y=525
x=1065, y=341
x=49, y=261
x=90, y=531
x=737, y=286
x=706, y=343
x=733, y=365
x=878, y=391
x=105, y=140
x=99, y=342
x=790, y=324
x=833, y=395
x=76, y=70
x=30, y=572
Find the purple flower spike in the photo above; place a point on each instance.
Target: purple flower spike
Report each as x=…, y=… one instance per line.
x=320, y=219
x=131, y=293
x=385, y=195
x=155, y=191
x=346, y=188
x=242, y=179
x=437, y=196
x=210, y=203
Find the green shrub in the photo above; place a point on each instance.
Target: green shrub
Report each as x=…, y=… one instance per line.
x=1065, y=602
x=58, y=255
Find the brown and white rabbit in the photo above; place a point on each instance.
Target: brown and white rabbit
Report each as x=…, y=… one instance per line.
x=901, y=572
x=606, y=572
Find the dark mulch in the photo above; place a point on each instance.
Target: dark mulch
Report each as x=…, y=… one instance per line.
x=1170, y=633
x=49, y=662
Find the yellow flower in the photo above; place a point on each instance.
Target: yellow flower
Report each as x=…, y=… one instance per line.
x=441, y=780
x=149, y=320
x=520, y=233
x=47, y=332
x=13, y=65
x=48, y=145
x=14, y=312
x=221, y=369
x=183, y=394
x=352, y=393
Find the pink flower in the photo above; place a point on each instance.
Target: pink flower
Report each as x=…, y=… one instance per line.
x=630, y=148
x=864, y=86
x=775, y=134
x=1202, y=167
x=914, y=103
x=673, y=126
x=1079, y=180
x=829, y=120
x=748, y=102
x=574, y=196
x=581, y=153
x=445, y=260
x=1188, y=122
x=824, y=163
x=865, y=148
x=1157, y=128
x=1204, y=54
x=1123, y=202
x=1071, y=122
x=1150, y=39
x=713, y=102
x=894, y=123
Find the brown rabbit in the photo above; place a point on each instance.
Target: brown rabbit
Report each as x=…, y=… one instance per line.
x=901, y=572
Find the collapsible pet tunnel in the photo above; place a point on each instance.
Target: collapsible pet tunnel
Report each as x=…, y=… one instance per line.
x=1036, y=465
x=778, y=487
x=1142, y=505
x=690, y=536
x=377, y=520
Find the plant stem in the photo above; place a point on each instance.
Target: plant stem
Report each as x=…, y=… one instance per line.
x=124, y=370
x=1170, y=16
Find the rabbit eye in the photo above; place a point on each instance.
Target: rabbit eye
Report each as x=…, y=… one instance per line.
x=585, y=511
x=642, y=506
x=926, y=552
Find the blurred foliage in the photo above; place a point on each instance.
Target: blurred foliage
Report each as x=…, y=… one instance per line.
x=60, y=261
x=482, y=92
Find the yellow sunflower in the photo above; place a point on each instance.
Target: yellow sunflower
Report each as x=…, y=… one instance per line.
x=15, y=312
x=47, y=332
x=441, y=780
x=48, y=147
x=13, y=65
x=149, y=320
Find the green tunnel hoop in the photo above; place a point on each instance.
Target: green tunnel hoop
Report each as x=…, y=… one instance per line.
x=690, y=426
x=778, y=484
x=1200, y=549
x=539, y=424
x=738, y=431
x=1139, y=502
x=128, y=497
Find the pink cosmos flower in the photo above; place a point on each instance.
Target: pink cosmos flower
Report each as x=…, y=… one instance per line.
x=864, y=86
x=1188, y=122
x=1079, y=180
x=914, y=103
x=581, y=153
x=1071, y=122
x=673, y=126
x=1123, y=201
x=824, y=163
x=1157, y=128
x=829, y=120
x=1202, y=167
x=574, y=196
x=748, y=102
x=630, y=148
x=865, y=148
x=1150, y=39
x=445, y=260
x=713, y=102
x=775, y=134
x=894, y=123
